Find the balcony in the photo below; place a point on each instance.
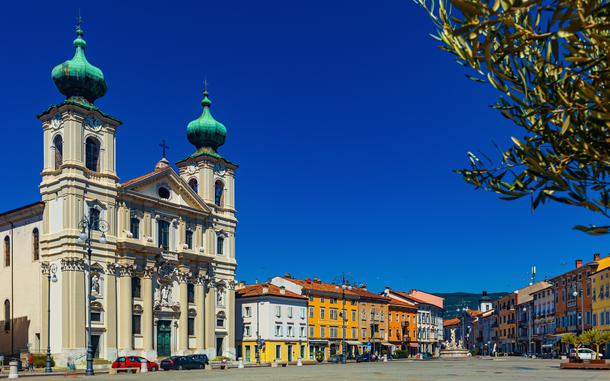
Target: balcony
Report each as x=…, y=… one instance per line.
x=404, y=324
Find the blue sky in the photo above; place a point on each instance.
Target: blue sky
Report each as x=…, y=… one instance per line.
x=345, y=118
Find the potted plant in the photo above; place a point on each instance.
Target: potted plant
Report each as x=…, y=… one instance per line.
x=574, y=341
x=596, y=338
x=320, y=356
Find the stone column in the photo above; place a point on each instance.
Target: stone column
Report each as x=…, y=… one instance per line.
x=110, y=312
x=73, y=291
x=200, y=317
x=183, y=337
x=230, y=308
x=147, y=311
x=125, y=309
x=44, y=267
x=210, y=321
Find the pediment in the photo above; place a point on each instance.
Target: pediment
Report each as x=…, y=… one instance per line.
x=154, y=184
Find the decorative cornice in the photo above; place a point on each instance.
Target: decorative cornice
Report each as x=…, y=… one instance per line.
x=183, y=276
x=44, y=268
x=126, y=270
x=148, y=272
x=72, y=264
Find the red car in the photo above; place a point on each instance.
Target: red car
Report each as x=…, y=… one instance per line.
x=134, y=362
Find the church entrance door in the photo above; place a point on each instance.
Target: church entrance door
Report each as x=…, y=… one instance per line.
x=164, y=338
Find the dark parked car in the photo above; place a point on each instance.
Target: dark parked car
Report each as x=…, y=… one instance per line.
x=180, y=363
x=337, y=358
x=365, y=357
x=201, y=358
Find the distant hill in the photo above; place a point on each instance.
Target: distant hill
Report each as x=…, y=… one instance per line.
x=455, y=300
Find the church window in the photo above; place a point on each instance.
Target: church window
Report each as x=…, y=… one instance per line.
x=218, y=193
x=220, y=319
x=136, y=287
x=220, y=242
x=134, y=227
x=92, y=154
x=35, y=244
x=163, y=193
x=58, y=145
x=163, y=234
x=194, y=185
x=136, y=324
x=189, y=239
x=190, y=293
x=94, y=218
x=7, y=315
x=191, y=326
x=7, y=251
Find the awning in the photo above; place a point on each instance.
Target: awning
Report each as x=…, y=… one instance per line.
x=350, y=342
x=386, y=344
x=414, y=345
x=318, y=341
x=551, y=343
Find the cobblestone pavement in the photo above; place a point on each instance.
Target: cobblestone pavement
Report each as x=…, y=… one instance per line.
x=521, y=369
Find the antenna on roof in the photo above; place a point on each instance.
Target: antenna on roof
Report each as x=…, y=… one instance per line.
x=79, y=20
x=533, y=275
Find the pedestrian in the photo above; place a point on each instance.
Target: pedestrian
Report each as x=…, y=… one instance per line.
x=31, y=362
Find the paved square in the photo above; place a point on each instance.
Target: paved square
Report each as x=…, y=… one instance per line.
x=521, y=369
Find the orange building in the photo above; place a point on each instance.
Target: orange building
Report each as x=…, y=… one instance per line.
x=402, y=326
x=505, y=325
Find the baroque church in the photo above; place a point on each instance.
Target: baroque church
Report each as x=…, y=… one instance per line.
x=162, y=245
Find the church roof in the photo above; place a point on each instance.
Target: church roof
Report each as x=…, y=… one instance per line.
x=22, y=208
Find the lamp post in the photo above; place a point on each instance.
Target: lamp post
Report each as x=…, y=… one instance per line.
x=343, y=319
x=529, y=333
x=87, y=225
x=51, y=277
x=582, y=308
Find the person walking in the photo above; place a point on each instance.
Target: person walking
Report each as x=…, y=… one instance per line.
x=31, y=362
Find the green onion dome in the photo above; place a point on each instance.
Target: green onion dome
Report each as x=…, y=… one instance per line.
x=77, y=77
x=205, y=132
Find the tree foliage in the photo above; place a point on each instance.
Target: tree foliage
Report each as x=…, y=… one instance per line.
x=597, y=338
x=549, y=60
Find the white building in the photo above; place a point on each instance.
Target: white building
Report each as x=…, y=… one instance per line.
x=271, y=324
x=163, y=253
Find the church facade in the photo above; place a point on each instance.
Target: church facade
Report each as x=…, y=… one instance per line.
x=162, y=245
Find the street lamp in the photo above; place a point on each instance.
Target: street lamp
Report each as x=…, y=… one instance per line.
x=582, y=307
x=87, y=225
x=529, y=333
x=51, y=277
x=344, y=319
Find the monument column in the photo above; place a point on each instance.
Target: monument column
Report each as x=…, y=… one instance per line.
x=147, y=311
x=199, y=318
x=183, y=337
x=125, y=309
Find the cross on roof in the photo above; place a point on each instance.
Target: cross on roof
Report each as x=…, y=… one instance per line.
x=79, y=20
x=164, y=146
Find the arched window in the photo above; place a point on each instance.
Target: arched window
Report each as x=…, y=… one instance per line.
x=58, y=144
x=7, y=315
x=219, y=193
x=7, y=251
x=220, y=243
x=94, y=218
x=134, y=227
x=194, y=185
x=35, y=244
x=92, y=154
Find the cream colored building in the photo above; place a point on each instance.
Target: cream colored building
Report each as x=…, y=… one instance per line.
x=163, y=244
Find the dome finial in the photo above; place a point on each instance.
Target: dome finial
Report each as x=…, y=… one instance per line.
x=77, y=77
x=205, y=132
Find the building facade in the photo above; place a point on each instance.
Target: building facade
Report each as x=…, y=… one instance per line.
x=271, y=324
x=544, y=319
x=372, y=319
x=402, y=326
x=505, y=324
x=600, y=298
x=429, y=318
x=525, y=316
x=328, y=327
x=573, y=297
x=162, y=245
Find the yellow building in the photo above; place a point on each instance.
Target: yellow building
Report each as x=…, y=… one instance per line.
x=325, y=320
x=600, y=285
x=271, y=324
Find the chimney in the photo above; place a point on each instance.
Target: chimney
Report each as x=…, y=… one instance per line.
x=578, y=263
x=240, y=285
x=363, y=286
x=596, y=257
x=282, y=290
x=265, y=288
x=316, y=280
x=288, y=275
x=386, y=291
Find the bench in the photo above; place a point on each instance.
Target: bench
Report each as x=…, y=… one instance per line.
x=114, y=371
